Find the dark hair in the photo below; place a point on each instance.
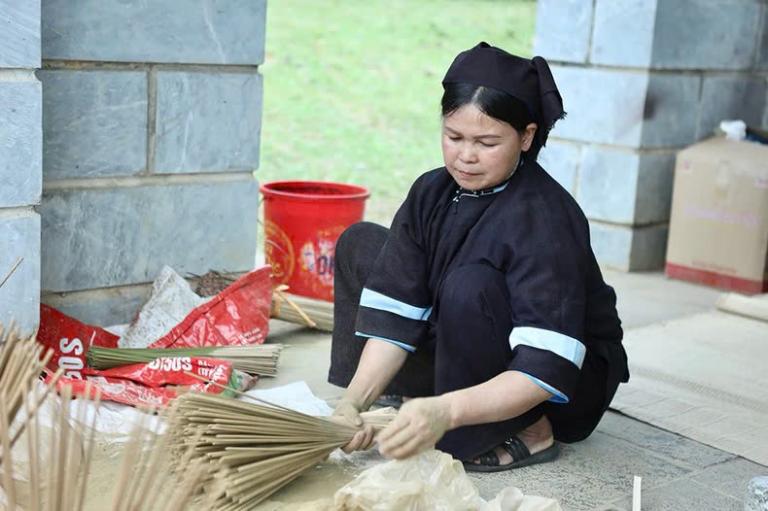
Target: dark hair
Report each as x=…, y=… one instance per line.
x=493, y=103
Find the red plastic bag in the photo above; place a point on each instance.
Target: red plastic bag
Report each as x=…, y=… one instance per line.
x=69, y=339
x=153, y=384
x=238, y=316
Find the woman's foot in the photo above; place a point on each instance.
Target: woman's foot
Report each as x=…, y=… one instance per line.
x=391, y=400
x=534, y=444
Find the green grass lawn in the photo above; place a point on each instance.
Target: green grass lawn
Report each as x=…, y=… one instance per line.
x=352, y=87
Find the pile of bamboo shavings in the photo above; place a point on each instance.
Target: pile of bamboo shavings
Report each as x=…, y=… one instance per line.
x=56, y=468
x=258, y=449
x=302, y=310
x=260, y=360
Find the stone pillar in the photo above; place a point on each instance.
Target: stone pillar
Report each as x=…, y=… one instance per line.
x=20, y=162
x=152, y=119
x=641, y=79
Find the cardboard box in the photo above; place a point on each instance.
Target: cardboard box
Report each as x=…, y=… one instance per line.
x=718, y=233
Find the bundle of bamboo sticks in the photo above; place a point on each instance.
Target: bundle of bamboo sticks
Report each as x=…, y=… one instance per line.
x=302, y=310
x=260, y=360
x=257, y=449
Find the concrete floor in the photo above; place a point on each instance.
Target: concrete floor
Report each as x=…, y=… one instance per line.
x=596, y=474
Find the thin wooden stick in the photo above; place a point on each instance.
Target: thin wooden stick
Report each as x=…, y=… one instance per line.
x=296, y=308
x=319, y=311
x=88, y=449
x=7, y=477
x=33, y=438
x=72, y=446
x=63, y=444
x=11, y=271
x=50, y=486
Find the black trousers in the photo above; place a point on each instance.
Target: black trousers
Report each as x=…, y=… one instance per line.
x=468, y=346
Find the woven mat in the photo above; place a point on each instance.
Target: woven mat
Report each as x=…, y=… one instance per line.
x=705, y=377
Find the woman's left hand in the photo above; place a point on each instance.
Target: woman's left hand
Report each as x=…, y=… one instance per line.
x=419, y=424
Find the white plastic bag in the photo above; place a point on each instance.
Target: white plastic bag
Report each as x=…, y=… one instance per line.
x=430, y=481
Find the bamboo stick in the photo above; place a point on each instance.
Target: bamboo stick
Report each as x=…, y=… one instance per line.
x=11, y=271
x=302, y=310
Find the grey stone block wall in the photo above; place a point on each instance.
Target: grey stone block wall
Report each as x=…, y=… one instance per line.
x=20, y=139
x=562, y=160
x=623, y=33
x=20, y=295
x=161, y=31
x=95, y=122
x=731, y=96
x=640, y=80
x=127, y=234
x=151, y=121
x=20, y=163
x=706, y=34
x=19, y=34
x=198, y=110
x=623, y=186
x=564, y=29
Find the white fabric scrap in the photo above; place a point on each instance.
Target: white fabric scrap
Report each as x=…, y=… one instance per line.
x=172, y=299
x=297, y=396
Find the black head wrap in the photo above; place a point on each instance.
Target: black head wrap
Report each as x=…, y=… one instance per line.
x=530, y=81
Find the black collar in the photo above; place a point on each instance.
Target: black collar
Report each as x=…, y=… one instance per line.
x=492, y=190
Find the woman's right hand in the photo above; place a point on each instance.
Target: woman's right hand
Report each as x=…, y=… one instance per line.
x=378, y=364
x=349, y=413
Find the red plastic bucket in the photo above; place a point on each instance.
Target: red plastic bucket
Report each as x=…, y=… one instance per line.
x=302, y=221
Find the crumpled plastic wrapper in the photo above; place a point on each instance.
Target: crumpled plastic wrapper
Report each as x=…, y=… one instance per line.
x=431, y=481
x=171, y=300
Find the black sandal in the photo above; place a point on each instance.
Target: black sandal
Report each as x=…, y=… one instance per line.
x=389, y=400
x=521, y=457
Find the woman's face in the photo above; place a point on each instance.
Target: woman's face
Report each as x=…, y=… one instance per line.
x=480, y=151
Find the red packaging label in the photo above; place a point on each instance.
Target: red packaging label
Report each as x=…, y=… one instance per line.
x=170, y=371
x=70, y=339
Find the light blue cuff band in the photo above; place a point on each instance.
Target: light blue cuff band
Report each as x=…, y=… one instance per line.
x=557, y=396
x=375, y=300
x=406, y=347
x=560, y=344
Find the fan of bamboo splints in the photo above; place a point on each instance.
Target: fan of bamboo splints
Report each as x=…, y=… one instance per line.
x=257, y=449
x=56, y=467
